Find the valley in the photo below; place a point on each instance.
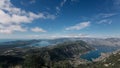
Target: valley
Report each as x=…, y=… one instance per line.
x=49, y=53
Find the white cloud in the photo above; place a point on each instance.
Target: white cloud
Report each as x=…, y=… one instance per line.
x=116, y=4
x=69, y=36
x=63, y=2
x=108, y=15
x=105, y=21
x=58, y=8
x=33, y=36
x=10, y=29
x=54, y=36
x=105, y=15
x=9, y=15
x=104, y=18
x=37, y=29
x=74, y=0
x=32, y=1
x=79, y=26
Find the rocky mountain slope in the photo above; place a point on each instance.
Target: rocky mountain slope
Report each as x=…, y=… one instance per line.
x=66, y=53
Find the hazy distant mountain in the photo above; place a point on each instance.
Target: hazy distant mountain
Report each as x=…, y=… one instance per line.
x=46, y=42
x=103, y=42
x=95, y=41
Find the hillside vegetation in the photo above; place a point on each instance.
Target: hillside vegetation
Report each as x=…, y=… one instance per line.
x=63, y=55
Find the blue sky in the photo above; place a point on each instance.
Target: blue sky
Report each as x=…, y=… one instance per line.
x=59, y=18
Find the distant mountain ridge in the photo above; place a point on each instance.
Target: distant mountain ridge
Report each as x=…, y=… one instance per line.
x=96, y=41
x=91, y=41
